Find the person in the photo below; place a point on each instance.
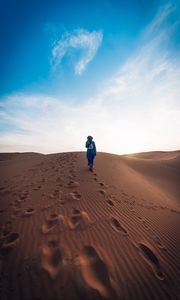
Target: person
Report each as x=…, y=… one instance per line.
x=91, y=151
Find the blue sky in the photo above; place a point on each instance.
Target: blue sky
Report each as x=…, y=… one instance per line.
x=73, y=68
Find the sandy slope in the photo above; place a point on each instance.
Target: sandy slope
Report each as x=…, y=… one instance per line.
x=68, y=233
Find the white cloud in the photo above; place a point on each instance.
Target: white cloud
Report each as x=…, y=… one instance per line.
x=79, y=39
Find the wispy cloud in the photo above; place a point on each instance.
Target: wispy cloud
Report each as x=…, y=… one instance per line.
x=154, y=66
x=137, y=110
x=161, y=18
x=79, y=39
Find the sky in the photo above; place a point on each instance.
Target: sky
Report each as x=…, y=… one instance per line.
x=106, y=68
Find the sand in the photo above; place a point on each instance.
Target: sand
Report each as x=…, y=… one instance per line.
x=68, y=233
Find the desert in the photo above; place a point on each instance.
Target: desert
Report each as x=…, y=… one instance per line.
x=68, y=233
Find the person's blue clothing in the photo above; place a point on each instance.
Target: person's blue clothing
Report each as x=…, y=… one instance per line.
x=90, y=157
x=91, y=152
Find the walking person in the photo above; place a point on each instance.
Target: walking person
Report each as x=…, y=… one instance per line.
x=91, y=151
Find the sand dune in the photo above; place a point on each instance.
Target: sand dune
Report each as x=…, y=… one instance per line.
x=67, y=233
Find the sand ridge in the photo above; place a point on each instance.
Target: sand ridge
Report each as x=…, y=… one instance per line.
x=67, y=233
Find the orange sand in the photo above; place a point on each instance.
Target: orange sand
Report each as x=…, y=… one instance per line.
x=68, y=233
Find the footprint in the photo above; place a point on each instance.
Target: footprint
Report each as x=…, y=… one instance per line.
x=73, y=196
x=101, y=183
x=158, y=243
x=76, y=211
x=52, y=260
x=57, y=192
x=77, y=195
x=10, y=242
x=23, y=195
x=110, y=202
x=115, y=224
x=103, y=192
x=151, y=258
x=160, y=246
x=78, y=218
x=50, y=223
x=62, y=201
x=132, y=209
x=74, y=221
x=37, y=188
x=52, y=196
x=6, y=228
x=95, y=271
x=72, y=184
x=175, y=211
x=29, y=212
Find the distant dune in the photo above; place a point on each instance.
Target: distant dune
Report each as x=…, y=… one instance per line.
x=68, y=233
